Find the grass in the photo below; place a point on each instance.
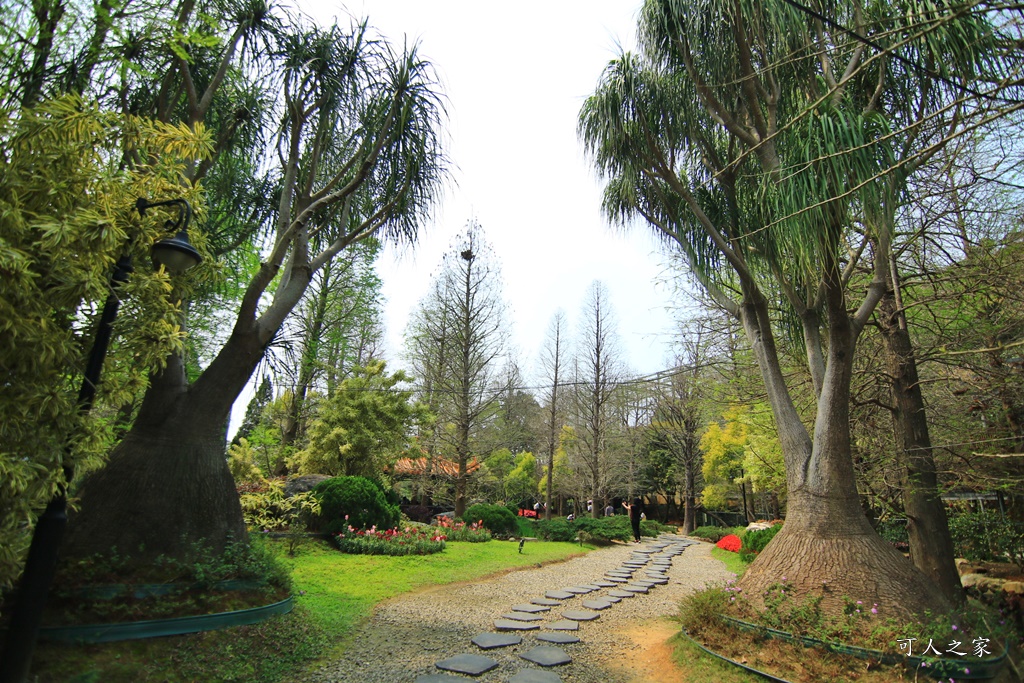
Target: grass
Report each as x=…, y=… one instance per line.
x=334, y=594
x=732, y=561
x=698, y=666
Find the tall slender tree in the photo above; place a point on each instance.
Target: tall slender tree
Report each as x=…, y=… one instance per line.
x=553, y=368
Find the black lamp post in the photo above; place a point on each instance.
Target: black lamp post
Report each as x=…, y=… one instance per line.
x=175, y=254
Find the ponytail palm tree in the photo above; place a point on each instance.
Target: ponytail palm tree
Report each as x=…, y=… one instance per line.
x=768, y=145
x=358, y=155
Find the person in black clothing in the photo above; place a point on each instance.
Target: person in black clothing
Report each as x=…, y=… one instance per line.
x=634, y=517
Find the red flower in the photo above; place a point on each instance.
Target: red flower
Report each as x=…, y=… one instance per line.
x=732, y=543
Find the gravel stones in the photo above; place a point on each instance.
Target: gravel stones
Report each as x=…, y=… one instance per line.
x=535, y=676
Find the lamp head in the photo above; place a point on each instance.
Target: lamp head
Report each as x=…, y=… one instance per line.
x=176, y=254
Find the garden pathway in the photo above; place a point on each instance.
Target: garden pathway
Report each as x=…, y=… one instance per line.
x=500, y=625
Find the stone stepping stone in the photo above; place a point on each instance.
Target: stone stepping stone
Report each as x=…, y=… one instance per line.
x=487, y=641
x=535, y=676
x=580, y=615
x=612, y=599
x=514, y=625
x=532, y=608
x=579, y=590
x=597, y=604
x=546, y=655
x=592, y=586
x=547, y=602
x=560, y=638
x=621, y=594
x=474, y=665
x=439, y=678
x=661, y=581
x=633, y=588
x=634, y=565
x=521, y=616
x=559, y=595
x=643, y=582
x=620, y=579
x=605, y=584
x=564, y=625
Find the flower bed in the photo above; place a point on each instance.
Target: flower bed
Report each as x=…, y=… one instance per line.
x=460, y=531
x=732, y=543
x=408, y=541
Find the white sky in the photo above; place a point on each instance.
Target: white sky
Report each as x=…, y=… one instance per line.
x=515, y=75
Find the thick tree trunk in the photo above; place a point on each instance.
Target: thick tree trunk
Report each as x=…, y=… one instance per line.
x=167, y=486
x=931, y=545
x=827, y=547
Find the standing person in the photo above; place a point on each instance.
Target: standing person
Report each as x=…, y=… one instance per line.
x=634, y=512
x=609, y=511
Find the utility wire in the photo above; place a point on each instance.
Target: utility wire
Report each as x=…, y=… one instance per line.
x=903, y=60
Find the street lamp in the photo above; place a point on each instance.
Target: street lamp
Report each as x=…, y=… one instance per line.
x=175, y=254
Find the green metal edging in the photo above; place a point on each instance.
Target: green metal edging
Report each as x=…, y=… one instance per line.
x=979, y=669
x=734, y=662
x=109, y=633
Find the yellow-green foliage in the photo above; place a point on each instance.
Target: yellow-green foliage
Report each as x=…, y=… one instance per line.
x=270, y=510
x=242, y=463
x=745, y=442
x=67, y=213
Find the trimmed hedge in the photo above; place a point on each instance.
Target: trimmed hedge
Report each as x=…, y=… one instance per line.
x=359, y=499
x=755, y=541
x=711, y=533
x=601, y=530
x=497, y=519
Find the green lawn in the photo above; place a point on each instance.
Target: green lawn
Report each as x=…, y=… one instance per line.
x=732, y=561
x=334, y=593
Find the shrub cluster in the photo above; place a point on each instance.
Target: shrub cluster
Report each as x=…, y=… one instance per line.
x=266, y=507
x=353, y=501
x=408, y=541
x=497, y=519
x=755, y=541
x=601, y=530
x=987, y=536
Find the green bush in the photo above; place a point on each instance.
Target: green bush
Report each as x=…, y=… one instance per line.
x=498, y=519
x=987, y=536
x=526, y=527
x=556, y=529
x=605, y=529
x=652, y=527
x=755, y=541
x=353, y=501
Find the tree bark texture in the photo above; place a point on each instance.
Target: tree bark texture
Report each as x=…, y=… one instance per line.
x=931, y=545
x=827, y=547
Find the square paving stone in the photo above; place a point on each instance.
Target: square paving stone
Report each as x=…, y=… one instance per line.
x=521, y=616
x=547, y=602
x=531, y=608
x=620, y=594
x=580, y=615
x=535, y=676
x=439, y=678
x=597, y=604
x=633, y=588
x=546, y=655
x=513, y=625
x=559, y=595
x=560, y=638
x=474, y=665
x=487, y=641
x=564, y=625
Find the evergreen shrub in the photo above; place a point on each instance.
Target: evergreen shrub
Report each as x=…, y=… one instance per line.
x=755, y=541
x=557, y=529
x=711, y=533
x=497, y=519
x=353, y=501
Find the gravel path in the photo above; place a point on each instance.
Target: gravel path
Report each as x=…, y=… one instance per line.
x=408, y=634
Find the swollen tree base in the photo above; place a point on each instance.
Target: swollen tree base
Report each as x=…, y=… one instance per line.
x=843, y=567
